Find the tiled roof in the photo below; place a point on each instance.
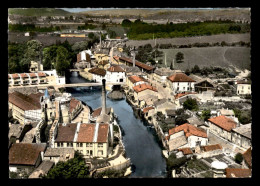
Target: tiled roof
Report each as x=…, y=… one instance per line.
x=98, y=71
x=180, y=77
x=32, y=75
x=177, y=96
x=86, y=133
x=25, y=153
x=238, y=173
x=137, y=63
x=135, y=79
x=146, y=109
x=211, y=147
x=186, y=151
x=97, y=112
x=15, y=76
x=116, y=58
x=177, y=142
x=102, y=133
x=78, y=57
x=41, y=74
x=224, y=122
x=189, y=130
x=66, y=133
x=73, y=104
x=115, y=68
x=24, y=75
x=142, y=87
x=195, y=121
x=248, y=157
x=163, y=72
x=103, y=62
x=243, y=82
x=25, y=102
x=56, y=152
x=244, y=130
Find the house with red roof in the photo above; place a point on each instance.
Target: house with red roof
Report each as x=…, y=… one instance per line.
x=144, y=89
x=92, y=140
x=115, y=73
x=134, y=80
x=222, y=126
x=194, y=136
x=180, y=82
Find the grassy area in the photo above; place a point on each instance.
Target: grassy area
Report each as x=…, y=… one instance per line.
x=38, y=12
x=209, y=56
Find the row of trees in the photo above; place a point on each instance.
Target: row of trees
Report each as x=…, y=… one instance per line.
x=32, y=27
x=141, y=30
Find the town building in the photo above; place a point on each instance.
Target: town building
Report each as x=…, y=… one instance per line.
x=25, y=108
x=92, y=140
x=42, y=169
x=180, y=82
x=243, y=88
x=132, y=81
x=222, y=126
x=194, y=136
x=59, y=154
x=35, y=66
x=161, y=74
x=25, y=156
x=247, y=159
x=238, y=173
x=98, y=74
x=143, y=89
x=115, y=74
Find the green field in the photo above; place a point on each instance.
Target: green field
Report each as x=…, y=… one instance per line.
x=210, y=56
x=38, y=12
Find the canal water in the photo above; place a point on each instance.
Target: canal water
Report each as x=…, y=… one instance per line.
x=140, y=140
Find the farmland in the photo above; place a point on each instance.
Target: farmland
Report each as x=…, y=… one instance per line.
x=228, y=38
x=210, y=56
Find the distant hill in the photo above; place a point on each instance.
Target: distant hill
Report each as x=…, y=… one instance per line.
x=184, y=14
x=38, y=12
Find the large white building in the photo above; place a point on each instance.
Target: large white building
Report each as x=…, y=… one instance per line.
x=115, y=74
x=180, y=82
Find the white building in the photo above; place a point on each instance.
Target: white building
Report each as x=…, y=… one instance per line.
x=243, y=88
x=180, y=82
x=115, y=74
x=54, y=78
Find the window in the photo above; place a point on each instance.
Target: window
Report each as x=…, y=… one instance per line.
x=61, y=144
x=81, y=144
x=58, y=144
x=100, y=145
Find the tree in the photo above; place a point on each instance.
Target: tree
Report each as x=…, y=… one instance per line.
x=91, y=35
x=190, y=104
x=33, y=50
x=171, y=67
x=187, y=72
x=195, y=69
x=239, y=158
x=73, y=168
x=49, y=57
x=104, y=26
x=62, y=62
x=79, y=46
x=179, y=57
x=126, y=23
x=205, y=115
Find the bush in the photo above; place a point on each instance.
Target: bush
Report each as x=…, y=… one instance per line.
x=238, y=158
x=190, y=104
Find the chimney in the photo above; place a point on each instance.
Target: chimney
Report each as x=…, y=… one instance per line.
x=133, y=59
x=103, y=111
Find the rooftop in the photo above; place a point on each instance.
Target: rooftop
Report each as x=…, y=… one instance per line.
x=146, y=109
x=56, y=152
x=98, y=71
x=224, y=122
x=186, y=151
x=177, y=142
x=226, y=112
x=248, y=157
x=73, y=104
x=189, y=130
x=177, y=96
x=97, y=112
x=86, y=133
x=195, y=121
x=137, y=63
x=102, y=133
x=135, y=79
x=115, y=68
x=244, y=130
x=180, y=77
x=66, y=133
x=163, y=71
x=142, y=87
x=238, y=173
x=211, y=147
x=25, y=153
x=25, y=102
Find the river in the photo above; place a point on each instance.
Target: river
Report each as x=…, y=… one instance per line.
x=140, y=140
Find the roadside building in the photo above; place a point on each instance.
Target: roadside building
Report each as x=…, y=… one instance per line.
x=180, y=82
x=59, y=154
x=161, y=74
x=222, y=126
x=25, y=156
x=194, y=135
x=243, y=88
x=92, y=140
x=241, y=136
x=143, y=89
x=208, y=151
x=132, y=81
x=115, y=74
x=98, y=74
x=25, y=108
x=143, y=67
x=205, y=84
